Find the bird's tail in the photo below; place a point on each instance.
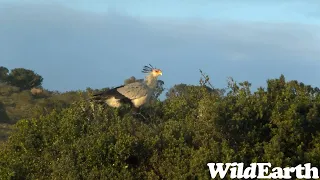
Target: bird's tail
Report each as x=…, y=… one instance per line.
x=104, y=95
x=99, y=97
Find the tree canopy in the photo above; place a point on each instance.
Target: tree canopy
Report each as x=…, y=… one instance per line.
x=25, y=79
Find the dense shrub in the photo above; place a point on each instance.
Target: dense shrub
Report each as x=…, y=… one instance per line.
x=173, y=139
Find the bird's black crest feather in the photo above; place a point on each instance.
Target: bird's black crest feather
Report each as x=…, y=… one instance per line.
x=147, y=69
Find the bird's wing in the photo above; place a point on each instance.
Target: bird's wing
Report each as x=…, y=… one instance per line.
x=110, y=93
x=134, y=90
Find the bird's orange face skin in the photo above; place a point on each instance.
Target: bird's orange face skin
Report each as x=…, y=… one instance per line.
x=157, y=72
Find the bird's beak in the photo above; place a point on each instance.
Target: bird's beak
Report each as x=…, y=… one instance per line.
x=160, y=73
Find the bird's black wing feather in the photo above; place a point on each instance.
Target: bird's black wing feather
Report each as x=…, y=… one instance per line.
x=110, y=93
x=104, y=95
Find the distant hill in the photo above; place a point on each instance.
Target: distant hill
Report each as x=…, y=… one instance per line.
x=16, y=104
x=22, y=97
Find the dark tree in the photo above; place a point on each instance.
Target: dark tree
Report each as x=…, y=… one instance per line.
x=3, y=74
x=130, y=80
x=176, y=90
x=4, y=118
x=24, y=78
x=158, y=91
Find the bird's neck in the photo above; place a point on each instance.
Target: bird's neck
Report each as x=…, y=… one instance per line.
x=151, y=81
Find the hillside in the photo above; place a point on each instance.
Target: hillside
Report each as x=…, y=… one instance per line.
x=22, y=97
x=67, y=137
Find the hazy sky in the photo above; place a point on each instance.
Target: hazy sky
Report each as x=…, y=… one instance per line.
x=76, y=44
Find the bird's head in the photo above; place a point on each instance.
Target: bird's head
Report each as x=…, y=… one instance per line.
x=154, y=71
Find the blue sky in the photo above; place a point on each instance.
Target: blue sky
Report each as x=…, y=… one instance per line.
x=303, y=11
x=78, y=44
x=252, y=10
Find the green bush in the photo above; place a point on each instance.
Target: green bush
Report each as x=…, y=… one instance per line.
x=173, y=139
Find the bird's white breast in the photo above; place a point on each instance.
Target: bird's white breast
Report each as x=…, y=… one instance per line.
x=140, y=101
x=113, y=102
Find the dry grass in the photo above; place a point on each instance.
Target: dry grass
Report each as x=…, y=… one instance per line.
x=36, y=91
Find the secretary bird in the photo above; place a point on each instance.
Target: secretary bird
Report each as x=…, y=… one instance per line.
x=136, y=94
